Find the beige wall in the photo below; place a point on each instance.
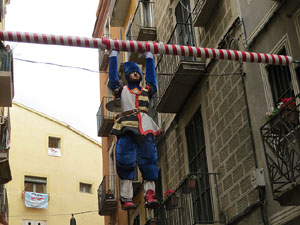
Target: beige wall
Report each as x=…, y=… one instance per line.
x=81, y=161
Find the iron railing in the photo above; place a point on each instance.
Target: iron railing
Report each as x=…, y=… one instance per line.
x=107, y=196
x=167, y=64
x=103, y=115
x=190, y=204
x=3, y=202
x=281, y=140
x=103, y=56
x=5, y=60
x=143, y=18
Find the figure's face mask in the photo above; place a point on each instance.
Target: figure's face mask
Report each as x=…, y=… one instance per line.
x=134, y=77
x=132, y=68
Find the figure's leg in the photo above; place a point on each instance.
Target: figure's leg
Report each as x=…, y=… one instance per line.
x=147, y=161
x=126, y=162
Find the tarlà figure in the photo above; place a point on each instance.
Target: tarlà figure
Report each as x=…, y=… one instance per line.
x=135, y=129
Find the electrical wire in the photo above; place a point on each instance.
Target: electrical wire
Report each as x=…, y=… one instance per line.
x=62, y=214
x=54, y=64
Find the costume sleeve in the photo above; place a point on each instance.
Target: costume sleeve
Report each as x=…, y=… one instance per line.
x=151, y=75
x=113, y=72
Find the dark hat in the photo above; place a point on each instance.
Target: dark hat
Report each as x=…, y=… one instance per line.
x=130, y=67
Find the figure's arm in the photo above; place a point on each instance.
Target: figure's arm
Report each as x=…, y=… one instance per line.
x=114, y=84
x=150, y=74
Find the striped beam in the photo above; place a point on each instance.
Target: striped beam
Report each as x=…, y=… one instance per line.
x=140, y=47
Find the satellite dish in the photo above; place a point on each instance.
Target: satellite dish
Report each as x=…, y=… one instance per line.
x=114, y=105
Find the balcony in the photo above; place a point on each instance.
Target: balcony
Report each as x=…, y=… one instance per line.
x=105, y=118
x=118, y=10
x=203, y=11
x=177, y=74
x=3, y=204
x=6, y=79
x=142, y=27
x=192, y=202
x=107, y=196
x=5, y=173
x=281, y=139
x=103, y=57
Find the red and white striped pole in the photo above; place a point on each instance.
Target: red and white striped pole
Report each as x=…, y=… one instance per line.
x=140, y=47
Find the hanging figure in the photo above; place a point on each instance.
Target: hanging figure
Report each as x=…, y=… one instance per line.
x=135, y=129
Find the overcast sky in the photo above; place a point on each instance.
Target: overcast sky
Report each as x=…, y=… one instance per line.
x=69, y=95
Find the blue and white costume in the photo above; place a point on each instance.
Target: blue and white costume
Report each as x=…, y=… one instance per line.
x=135, y=130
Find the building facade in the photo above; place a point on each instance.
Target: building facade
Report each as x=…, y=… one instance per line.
x=6, y=96
x=56, y=171
x=213, y=112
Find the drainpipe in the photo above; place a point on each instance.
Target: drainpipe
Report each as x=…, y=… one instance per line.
x=260, y=189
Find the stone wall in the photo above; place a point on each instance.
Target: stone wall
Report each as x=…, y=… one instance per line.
x=227, y=129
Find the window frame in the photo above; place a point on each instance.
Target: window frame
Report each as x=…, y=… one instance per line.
x=35, y=180
x=89, y=185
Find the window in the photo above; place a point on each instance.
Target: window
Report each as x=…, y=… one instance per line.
x=280, y=81
x=198, y=163
x=147, y=12
x=35, y=184
x=85, y=188
x=184, y=26
x=54, y=142
x=34, y=222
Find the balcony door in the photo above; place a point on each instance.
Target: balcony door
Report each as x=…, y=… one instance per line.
x=184, y=25
x=202, y=205
x=280, y=81
x=147, y=13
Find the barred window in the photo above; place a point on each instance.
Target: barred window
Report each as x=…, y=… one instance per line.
x=280, y=81
x=198, y=163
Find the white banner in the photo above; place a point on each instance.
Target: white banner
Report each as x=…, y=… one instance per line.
x=36, y=200
x=54, y=152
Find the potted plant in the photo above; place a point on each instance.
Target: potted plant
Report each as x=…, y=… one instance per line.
x=188, y=183
x=288, y=114
x=109, y=194
x=171, y=201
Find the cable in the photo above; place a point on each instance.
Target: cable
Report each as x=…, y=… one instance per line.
x=62, y=214
x=54, y=64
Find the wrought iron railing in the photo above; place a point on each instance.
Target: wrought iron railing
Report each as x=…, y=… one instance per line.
x=3, y=201
x=107, y=193
x=143, y=18
x=191, y=203
x=281, y=140
x=103, y=114
x=5, y=60
x=167, y=64
x=103, y=56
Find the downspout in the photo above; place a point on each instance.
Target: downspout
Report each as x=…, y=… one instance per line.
x=261, y=190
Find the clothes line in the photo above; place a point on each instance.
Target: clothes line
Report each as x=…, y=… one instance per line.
x=142, y=46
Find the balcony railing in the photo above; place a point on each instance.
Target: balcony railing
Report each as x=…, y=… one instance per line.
x=281, y=139
x=176, y=72
x=203, y=11
x=103, y=57
x=105, y=118
x=3, y=202
x=191, y=203
x=142, y=27
x=6, y=78
x=107, y=196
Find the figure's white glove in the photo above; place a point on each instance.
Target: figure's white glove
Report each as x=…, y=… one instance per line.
x=148, y=55
x=113, y=53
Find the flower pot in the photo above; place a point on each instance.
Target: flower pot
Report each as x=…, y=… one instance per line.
x=172, y=202
x=288, y=116
x=189, y=185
